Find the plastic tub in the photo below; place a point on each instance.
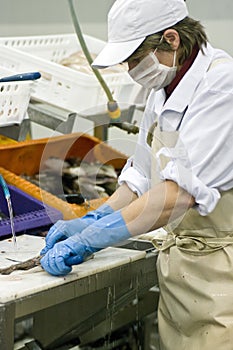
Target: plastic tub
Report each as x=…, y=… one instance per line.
x=29, y=157
x=14, y=99
x=62, y=86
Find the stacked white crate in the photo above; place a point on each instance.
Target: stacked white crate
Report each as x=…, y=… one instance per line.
x=14, y=99
x=59, y=85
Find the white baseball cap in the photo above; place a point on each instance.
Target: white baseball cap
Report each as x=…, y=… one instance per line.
x=131, y=21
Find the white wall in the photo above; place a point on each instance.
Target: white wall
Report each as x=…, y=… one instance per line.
x=217, y=18
x=33, y=17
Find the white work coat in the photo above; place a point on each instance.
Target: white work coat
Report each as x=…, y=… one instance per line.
x=195, y=262
x=201, y=107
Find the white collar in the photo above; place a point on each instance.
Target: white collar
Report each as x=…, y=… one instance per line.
x=183, y=93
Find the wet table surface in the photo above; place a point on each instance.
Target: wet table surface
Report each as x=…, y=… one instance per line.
x=35, y=292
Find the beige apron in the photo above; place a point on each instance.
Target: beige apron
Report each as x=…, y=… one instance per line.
x=195, y=271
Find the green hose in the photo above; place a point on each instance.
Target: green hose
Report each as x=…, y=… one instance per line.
x=113, y=108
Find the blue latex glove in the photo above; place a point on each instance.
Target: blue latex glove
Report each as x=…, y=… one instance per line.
x=75, y=249
x=63, y=229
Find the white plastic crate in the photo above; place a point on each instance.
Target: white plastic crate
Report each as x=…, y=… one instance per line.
x=14, y=99
x=60, y=85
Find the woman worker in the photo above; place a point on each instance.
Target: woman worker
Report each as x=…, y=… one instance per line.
x=181, y=176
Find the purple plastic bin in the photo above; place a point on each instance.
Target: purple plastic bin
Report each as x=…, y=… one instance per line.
x=29, y=213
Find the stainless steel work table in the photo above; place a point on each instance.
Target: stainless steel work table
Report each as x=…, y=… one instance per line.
x=99, y=290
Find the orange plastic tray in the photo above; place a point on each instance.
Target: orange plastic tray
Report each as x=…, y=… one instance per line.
x=28, y=157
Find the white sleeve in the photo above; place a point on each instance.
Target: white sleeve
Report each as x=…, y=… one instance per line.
x=202, y=161
x=136, y=181
x=137, y=171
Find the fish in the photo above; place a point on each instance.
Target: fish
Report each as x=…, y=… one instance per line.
x=25, y=265
x=91, y=180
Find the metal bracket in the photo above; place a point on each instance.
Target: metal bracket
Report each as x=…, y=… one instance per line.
x=51, y=117
x=102, y=120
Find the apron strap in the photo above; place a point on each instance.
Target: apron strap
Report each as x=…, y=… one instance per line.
x=195, y=245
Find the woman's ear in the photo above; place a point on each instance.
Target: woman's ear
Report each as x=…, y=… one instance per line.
x=172, y=37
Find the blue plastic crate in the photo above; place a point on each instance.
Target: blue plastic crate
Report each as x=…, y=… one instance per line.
x=30, y=215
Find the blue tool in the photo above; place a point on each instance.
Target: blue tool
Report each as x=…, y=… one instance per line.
x=4, y=187
x=21, y=77
x=9, y=204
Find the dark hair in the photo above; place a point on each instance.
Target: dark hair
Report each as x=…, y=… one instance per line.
x=191, y=33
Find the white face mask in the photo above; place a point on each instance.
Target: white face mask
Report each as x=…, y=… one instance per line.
x=151, y=74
